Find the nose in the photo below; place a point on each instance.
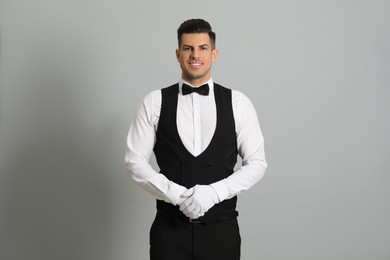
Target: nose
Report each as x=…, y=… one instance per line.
x=195, y=54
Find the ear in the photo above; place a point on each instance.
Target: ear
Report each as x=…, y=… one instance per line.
x=214, y=55
x=178, y=54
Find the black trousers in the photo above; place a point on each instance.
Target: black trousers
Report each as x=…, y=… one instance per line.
x=172, y=239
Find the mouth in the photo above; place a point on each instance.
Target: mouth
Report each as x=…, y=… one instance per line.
x=195, y=64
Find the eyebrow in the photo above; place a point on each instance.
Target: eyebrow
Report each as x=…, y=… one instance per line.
x=202, y=45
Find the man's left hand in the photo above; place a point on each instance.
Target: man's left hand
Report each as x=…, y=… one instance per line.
x=202, y=199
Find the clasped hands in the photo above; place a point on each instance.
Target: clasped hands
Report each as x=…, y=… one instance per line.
x=196, y=201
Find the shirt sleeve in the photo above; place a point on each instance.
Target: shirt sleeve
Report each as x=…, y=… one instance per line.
x=250, y=143
x=139, y=146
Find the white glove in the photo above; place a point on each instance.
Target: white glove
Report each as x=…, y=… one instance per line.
x=203, y=197
x=185, y=195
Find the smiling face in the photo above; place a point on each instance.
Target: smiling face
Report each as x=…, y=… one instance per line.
x=196, y=55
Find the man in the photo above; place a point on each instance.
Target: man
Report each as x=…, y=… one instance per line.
x=196, y=129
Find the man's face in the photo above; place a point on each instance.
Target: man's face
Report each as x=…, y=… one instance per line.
x=196, y=56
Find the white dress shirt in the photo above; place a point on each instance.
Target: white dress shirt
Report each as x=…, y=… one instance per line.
x=196, y=123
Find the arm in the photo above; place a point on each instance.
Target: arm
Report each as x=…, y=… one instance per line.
x=250, y=144
x=139, y=146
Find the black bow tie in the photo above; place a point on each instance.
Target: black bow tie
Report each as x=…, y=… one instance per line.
x=203, y=90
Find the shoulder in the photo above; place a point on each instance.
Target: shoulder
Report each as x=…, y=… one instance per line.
x=223, y=88
x=152, y=101
x=172, y=88
x=242, y=106
x=237, y=96
x=154, y=97
x=151, y=97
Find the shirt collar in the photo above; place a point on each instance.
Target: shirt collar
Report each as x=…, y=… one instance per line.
x=210, y=82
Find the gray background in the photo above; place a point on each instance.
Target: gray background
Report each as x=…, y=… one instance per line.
x=73, y=72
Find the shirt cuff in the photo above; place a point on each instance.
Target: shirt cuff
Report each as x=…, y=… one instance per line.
x=174, y=192
x=221, y=189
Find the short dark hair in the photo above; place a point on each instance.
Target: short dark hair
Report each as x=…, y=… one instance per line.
x=196, y=26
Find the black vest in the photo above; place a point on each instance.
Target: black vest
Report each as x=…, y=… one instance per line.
x=214, y=164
